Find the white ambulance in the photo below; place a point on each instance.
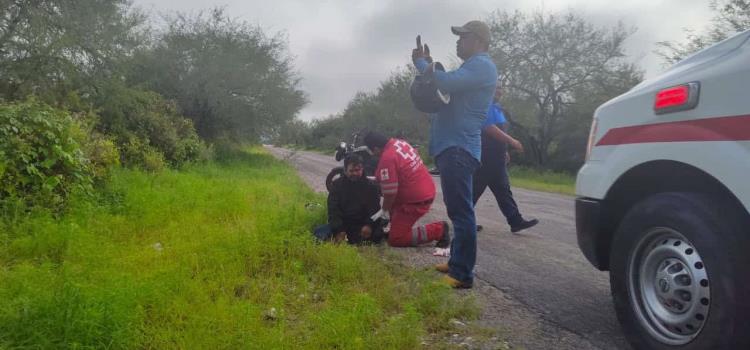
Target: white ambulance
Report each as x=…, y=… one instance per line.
x=663, y=202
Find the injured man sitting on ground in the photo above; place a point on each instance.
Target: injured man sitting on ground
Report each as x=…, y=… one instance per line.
x=352, y=201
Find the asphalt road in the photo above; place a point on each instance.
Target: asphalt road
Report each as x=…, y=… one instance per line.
x=541, y=271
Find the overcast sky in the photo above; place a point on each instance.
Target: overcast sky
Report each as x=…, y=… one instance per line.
x=344, y=46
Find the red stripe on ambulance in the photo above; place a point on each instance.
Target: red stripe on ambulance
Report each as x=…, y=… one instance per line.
x=734, y=128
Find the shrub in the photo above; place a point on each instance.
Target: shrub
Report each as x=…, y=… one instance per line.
x=143, y=121
x=140, y=155
x=226, y=149
x=153, y=161
x=100, y=150
x=41, y=163
x=102, y=154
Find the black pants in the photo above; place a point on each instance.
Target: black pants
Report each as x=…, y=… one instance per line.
x=324, y=233
x=354, y=237
x=494, y=174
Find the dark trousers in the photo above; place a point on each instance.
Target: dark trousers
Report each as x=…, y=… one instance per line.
x=494, y=174
x=324, y=233
x=456, y=168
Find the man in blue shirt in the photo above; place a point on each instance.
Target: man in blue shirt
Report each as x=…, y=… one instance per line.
x=455, y=139
x=493, y=171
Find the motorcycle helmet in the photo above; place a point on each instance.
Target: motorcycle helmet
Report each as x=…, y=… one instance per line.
x=424, y=92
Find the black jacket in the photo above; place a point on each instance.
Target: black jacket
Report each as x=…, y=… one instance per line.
x=352, y=203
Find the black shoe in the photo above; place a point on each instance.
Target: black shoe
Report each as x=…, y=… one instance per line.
x=480, y=228
x=445, y=242
x=524, y=225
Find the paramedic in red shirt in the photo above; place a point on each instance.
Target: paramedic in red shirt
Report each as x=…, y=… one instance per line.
x=408, y=192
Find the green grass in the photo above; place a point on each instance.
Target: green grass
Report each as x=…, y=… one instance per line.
x=196, y=259
x=539, y=180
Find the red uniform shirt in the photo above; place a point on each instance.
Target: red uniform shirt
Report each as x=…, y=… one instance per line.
x=402, y=173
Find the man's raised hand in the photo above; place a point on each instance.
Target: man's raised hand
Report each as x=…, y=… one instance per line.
x=421, y=51
x=427, y=53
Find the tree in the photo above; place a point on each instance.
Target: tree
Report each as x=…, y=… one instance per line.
x=388, y=109
x=568, y=152
x=74, y=54
x=551, y=68
x=229, y=78
x=732, y=16
x=53, y=47
x=293, y=133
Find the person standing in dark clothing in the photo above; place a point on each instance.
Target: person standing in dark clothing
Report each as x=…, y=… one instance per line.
x=353, y=199
x=493, y=171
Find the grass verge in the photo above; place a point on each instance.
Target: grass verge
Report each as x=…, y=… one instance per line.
x=545, y=181
x=210, y=257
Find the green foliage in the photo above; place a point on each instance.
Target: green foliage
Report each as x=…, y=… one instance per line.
x=539, y=180
x=148, y=129
x=139, y=155
x=74, y=55
x=79, y=54
x=228, y=77
x=102, y=154
x=197, y=259
x=40, y=161
x=49, y=48
x=100, y=150
x=295, y=133
x=388, y=110
x=225, y=149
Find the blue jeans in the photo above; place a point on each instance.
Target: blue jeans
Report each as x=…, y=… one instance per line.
x=457, y=167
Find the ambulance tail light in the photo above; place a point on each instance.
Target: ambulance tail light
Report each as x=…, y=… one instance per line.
x=677, y=98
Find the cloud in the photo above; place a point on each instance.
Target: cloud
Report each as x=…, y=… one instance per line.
x=379, y=43
x=342, y=47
